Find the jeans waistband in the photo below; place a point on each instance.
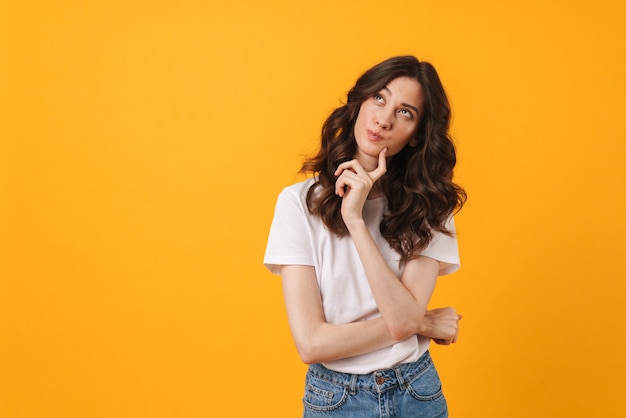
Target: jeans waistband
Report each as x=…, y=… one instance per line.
x=377, y=381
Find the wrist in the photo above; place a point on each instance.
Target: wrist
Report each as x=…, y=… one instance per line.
x=354, y=223
x=425, y=326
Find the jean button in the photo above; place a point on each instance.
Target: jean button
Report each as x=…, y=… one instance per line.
x=380, y=380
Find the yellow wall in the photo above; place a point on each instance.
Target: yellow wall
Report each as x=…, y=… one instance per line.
x=143, y=144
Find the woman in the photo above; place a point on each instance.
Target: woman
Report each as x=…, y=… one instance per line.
x=360, y=245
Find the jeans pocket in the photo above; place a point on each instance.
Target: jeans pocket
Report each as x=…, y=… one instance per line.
x=322, y=395
x=426, y=386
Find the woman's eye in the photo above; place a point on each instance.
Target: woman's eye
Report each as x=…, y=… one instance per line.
x=406, y=113
x=379, y=98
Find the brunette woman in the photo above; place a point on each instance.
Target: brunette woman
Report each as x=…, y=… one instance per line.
x=360, y=245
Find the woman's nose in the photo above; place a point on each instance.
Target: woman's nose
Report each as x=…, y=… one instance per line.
x=383, y=119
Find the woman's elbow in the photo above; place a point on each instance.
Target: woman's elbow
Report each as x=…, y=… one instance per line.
x=306, y=359
x=309, y=353
x=309, y=347
x=400, y=334
x=402, y=330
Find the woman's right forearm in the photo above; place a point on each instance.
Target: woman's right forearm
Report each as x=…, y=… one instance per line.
x=328, y=342
x=319, y=341
x=316, y=339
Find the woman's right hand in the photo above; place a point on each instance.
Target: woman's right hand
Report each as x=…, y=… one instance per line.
x=441, y=325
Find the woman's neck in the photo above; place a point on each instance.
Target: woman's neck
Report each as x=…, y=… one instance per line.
x=376, y=192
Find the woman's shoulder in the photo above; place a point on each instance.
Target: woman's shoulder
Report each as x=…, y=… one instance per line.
x=293, y=198
x=299, y=189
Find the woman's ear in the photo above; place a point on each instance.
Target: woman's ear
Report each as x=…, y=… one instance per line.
x=413, y=142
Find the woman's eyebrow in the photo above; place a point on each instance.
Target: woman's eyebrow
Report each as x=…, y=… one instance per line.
x=410, y=106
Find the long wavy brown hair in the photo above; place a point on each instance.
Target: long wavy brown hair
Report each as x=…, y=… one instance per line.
x=418, y=185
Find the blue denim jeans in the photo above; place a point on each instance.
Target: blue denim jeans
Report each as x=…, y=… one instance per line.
x=407, y=390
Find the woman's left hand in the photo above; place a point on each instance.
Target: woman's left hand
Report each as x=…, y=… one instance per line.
x=354, y=184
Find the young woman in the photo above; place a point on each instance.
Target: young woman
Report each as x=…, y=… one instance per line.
x=360, y=245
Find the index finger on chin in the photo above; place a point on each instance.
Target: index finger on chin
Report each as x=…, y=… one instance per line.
x=382, y=165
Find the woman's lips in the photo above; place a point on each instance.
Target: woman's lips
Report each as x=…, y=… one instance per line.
x=374, y=136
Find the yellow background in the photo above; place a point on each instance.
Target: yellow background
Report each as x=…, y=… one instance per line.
x=143, y=144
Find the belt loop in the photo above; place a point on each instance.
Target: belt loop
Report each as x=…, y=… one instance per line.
x=353, y=384
x=401, y=381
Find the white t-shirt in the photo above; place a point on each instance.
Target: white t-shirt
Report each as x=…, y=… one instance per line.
x=299, y=238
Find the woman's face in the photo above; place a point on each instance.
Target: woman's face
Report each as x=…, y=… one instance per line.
x=389, y=119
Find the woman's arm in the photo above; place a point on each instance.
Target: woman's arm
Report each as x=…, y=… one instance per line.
x=316, y=340
x=403, y=303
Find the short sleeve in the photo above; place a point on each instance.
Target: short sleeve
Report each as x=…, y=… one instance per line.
x=444, y=248
x=289, y=241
